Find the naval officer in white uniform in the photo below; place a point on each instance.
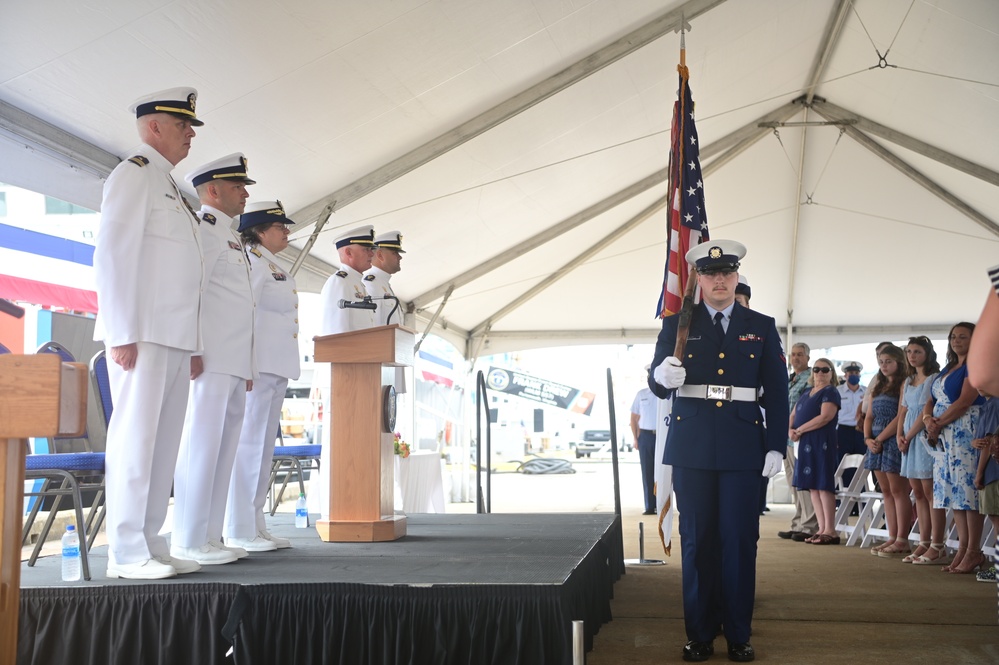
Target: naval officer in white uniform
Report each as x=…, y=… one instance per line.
x=385, y=262
x=264, y=231
x=221, y=374
x=343, y=287
x=148, y=269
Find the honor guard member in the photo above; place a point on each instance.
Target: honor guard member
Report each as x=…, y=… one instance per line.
x=264, y=231
x=343, y=289
x=718, y=446
x=385, y=262
x=221, y=373
x=148, y=269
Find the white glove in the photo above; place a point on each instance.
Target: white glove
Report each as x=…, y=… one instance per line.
x=773, y=463
x=670, y=373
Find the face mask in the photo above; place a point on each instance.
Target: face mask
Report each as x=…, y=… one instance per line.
x=853, y=379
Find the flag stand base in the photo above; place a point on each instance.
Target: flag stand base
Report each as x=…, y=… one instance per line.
x=642, y=561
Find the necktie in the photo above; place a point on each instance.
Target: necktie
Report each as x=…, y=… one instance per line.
x=718, y=324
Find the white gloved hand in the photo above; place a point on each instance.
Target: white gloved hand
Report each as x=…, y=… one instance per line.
x=773, y=463
x=670, y=373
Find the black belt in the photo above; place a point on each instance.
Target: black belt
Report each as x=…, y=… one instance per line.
x=648, y=431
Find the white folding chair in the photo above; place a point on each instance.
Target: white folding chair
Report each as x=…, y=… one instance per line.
x=849, y=496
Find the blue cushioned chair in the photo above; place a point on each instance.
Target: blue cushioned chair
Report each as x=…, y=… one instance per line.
x=291, y=458
x=65, y=474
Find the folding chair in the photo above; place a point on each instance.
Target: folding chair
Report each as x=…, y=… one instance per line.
x=291, y=458
x=849, y=497
x=75, y=473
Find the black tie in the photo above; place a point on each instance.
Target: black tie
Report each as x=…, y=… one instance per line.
x=718, y=325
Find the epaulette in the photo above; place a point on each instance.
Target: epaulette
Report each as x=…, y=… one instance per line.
x=369, y=278
x=139, y=160
x=257, y=253
x=209, y=217
x=341, y=273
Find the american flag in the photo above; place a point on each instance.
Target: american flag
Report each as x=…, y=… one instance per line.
x=688, y=221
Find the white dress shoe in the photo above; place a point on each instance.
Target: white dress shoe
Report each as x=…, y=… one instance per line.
x=206, y=555
x=255, y=544
x=150, y=569
x=182, y=566
x=282, y=543
x=238, y=551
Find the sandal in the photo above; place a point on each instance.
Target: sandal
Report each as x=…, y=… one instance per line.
x=939, y=560
x=956, y=560
x=826, y=539
x=877, y=548
x=924, y=546
x=898, y=549
x=964, y=569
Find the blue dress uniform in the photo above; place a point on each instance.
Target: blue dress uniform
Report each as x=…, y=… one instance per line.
x=717, y=448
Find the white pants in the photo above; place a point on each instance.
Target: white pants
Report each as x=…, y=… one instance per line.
x=142, y=442
x=252, y=469
x=207, y=451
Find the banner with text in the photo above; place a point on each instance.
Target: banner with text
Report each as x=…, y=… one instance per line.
x=540, y=390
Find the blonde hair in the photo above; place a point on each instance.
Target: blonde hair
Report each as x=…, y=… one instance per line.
x=833, y=380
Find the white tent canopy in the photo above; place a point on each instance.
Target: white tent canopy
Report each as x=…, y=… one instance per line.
x=520, y=146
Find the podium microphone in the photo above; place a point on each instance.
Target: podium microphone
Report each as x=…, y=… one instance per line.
x=359, y=304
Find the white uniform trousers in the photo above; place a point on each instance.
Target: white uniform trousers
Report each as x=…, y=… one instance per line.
x=207, y=451
x=142, y=442
x=252, y=470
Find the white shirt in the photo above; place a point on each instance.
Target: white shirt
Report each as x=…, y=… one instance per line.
x=344, y=284
x=376, y=283
x=645, y=406
x=849, y=401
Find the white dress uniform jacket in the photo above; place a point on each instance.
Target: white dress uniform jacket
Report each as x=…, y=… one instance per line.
x=345, y=284
x=147, y=262
x=377, y=284
x=276, y=326
x=227, y=319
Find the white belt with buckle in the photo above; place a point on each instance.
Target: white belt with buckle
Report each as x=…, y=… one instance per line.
x=727, y=393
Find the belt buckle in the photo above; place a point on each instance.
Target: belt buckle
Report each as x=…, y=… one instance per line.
x=719, y=392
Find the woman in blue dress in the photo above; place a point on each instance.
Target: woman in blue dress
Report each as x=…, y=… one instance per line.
x=883, y=457
x=951, y=416
x=813, y=425
x=917, y=463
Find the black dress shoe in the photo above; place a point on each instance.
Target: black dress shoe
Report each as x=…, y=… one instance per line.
x=787, y=535
x=741, y=653
x=801, y=537
x=649, y=512
x=698, y=652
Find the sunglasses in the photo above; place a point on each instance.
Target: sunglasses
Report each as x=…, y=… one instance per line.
x=821, y=370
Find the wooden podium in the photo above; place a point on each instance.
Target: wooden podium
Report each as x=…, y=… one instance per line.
x=361, y=444
x=39, y=396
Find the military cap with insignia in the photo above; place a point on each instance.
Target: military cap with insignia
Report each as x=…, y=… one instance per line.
x=853, y=366
x=262, y=212
x=230, y=167
x=362, y=235
x=713, y=256
x=742, y=288
x=178, y=102
x=390, y=240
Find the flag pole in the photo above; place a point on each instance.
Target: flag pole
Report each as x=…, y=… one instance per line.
x=687, y=309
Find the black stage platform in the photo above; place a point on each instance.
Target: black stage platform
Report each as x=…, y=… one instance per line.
x=469, y=589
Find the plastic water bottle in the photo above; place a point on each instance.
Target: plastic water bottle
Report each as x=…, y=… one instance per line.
x=70, y=555
x=301, y=513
